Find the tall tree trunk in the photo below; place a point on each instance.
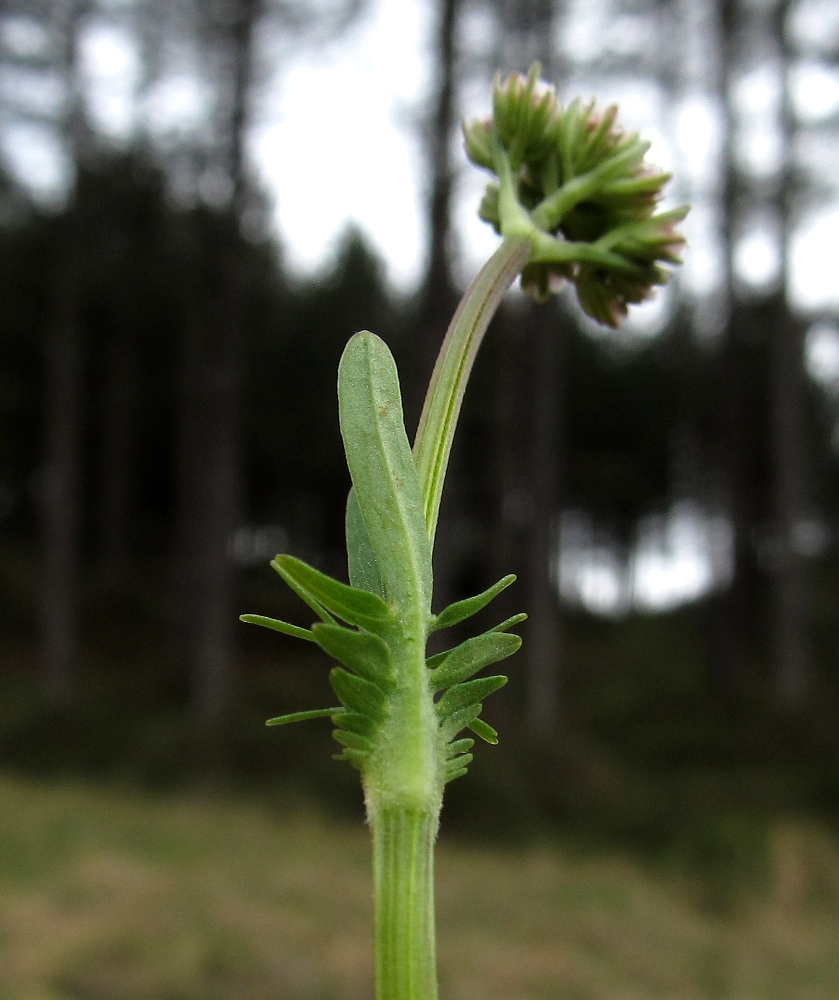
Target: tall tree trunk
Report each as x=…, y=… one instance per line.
x=528, y=35
x=740, y=432
x=208, y=494
x=190, y=465
x=210, y=476
x=792, y=672
x=61, y=496
x=543, y=638
x=220, y=486
x=119, y=413
x=738, y=614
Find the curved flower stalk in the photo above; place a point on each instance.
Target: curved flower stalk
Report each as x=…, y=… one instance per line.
x=574, y=201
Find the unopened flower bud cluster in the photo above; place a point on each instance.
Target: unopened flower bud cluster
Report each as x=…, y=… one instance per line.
x=584, y=187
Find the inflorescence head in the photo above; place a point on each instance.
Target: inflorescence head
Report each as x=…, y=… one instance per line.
x=586, y=188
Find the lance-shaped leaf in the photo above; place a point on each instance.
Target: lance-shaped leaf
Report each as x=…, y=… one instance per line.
x=458, y=747
x=465, y=660
x=357, y=607
x=362, y=652
x=317, y=713
x=461, y=610
x=456, y=767
x=358, y=758
x=358, y=695
x=460, y=695
x=278, y=626
x=355, y=741
x=462, y=719
x=361, y=560
x=303, y=594
x=509, y=623
x=383, y=471
x=485, y=731
x=354, y=722
x=432, y=662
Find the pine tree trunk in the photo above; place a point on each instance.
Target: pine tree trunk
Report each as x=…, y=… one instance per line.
x=60, y=497
x=213, y=361
x=61, y=483
x=219, y=487
x=792, y=674
x=118, y=415
x=208, y=500
x=543, y=636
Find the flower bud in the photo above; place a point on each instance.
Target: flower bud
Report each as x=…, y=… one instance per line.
x=582, y=184
x=477, y=136
x=541, y=281
x=526, y=115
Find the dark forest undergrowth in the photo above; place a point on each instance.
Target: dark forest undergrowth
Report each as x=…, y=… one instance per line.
x=650, y=755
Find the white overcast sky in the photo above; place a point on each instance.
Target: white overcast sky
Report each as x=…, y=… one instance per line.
x=336, y=141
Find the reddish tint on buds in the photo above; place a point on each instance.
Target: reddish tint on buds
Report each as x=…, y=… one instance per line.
x=583, y=182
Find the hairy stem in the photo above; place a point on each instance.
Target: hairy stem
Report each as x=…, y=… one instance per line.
x=403, y=874
x=435, y=433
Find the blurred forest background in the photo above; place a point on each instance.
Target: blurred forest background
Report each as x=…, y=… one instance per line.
x=668, y=495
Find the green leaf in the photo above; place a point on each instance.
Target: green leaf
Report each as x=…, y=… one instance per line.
x=318, y=713
x=362, y=652
x=354, y=722
x=304, y=594
x=465, y=660
x=354, y=741
x=358, y=694
x=486, y=732
x=458, y=747
x=456, y=767
x=510, y=623
x=358, y=758
x=432, y=662
x=383, y=471
x=461, y=610
x=361, y=560
x=278, y=626
x=357, y=607
x=462, y=719
x=460, y=695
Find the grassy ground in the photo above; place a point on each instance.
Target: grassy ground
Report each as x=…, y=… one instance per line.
x=108, y=895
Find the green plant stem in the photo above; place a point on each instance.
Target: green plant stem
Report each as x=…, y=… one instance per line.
x=403, y=874
x=435, y=433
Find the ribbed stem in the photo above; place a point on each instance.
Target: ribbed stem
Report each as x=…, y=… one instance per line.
x=403, y=876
